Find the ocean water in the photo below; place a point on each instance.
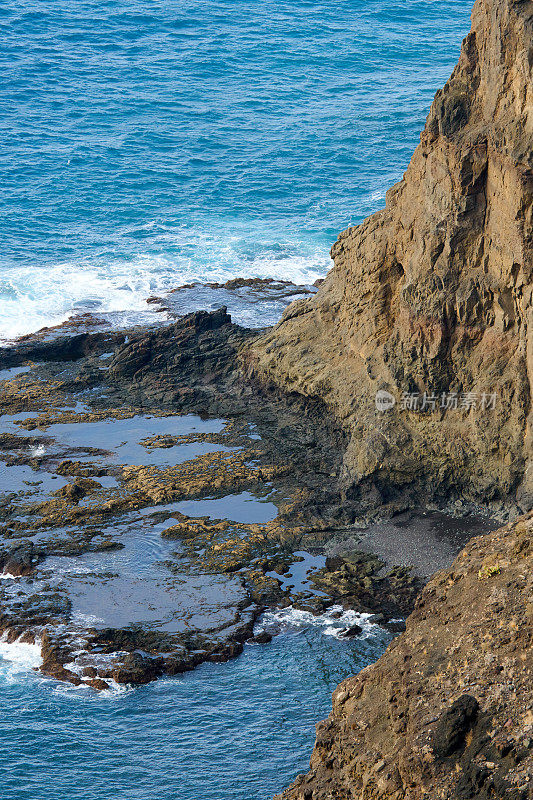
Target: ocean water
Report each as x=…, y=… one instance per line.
x=145, y=145
x=235, y=731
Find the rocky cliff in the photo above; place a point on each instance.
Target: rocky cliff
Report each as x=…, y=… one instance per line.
x=430, y=299
x=447, y=712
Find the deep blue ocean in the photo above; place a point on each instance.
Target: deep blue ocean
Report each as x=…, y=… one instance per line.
x=145, y=145
x=148, y=144
x=235, y=731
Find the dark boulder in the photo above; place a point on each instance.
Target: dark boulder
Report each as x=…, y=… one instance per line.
x=349, y=633
x=453, y=725
x=137, y=669
x=261, y=638
x=97, y=683
x=22, y=560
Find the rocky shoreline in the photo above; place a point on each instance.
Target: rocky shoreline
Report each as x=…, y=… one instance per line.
x=428, y=310
x=109, y=443
x=448, y=710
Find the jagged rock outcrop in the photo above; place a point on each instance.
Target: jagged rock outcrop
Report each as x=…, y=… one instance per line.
x=447, y=712
x=433, y=295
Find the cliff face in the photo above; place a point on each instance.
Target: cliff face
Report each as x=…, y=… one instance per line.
x=447, y=712
x=434, y=294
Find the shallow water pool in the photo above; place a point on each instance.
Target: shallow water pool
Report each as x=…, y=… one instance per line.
x=243, y=508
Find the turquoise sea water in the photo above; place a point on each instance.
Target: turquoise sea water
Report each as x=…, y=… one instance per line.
x=146, y=144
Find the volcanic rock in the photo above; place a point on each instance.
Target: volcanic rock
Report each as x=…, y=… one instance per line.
x=420, y=340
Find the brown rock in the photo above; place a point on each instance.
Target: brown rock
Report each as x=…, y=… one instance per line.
x=433, y=295
x=446, y=712
x=22, y=560
x=138, y=669
x=89, y=672
x=261, y=638
x=97, y=683
x=78, y=489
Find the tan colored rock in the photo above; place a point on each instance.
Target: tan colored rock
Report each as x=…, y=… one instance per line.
x=447, y=712
x=434, y=293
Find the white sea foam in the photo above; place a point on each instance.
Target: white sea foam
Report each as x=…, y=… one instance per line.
x=35, y=297
x=87, y=620
x=50, y=295
x=18, y=658
x=86, y=693
x=116, y=689
x=330, y=622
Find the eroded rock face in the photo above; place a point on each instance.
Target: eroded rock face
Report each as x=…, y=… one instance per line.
x=434, y=294
x=447, y=712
